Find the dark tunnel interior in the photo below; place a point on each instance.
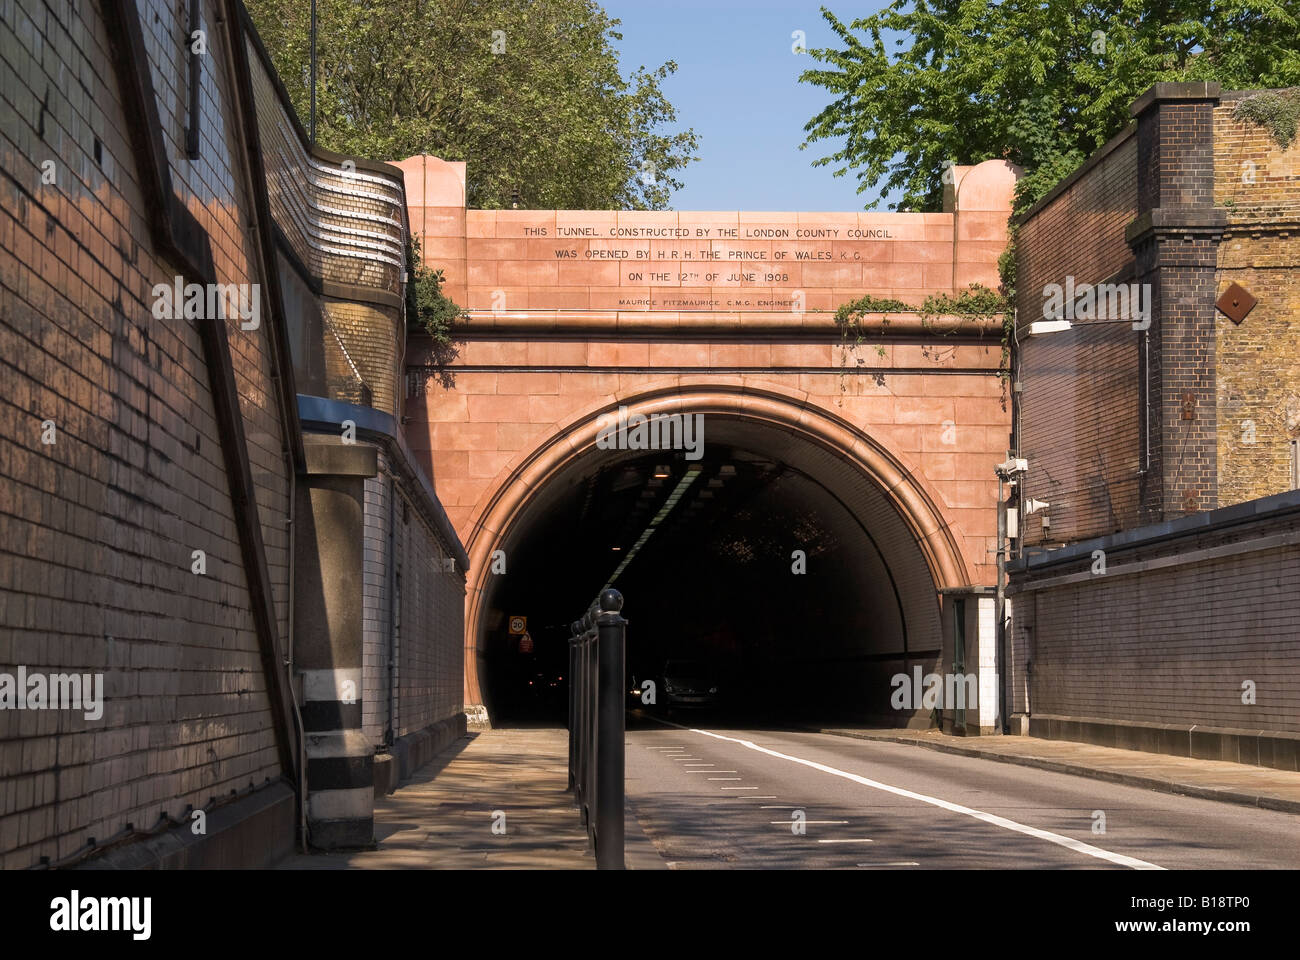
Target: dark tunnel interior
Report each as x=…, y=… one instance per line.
x=752, y=591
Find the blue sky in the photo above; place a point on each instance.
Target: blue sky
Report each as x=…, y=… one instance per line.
x=737, y=85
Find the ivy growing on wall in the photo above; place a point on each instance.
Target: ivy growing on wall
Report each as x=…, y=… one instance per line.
x=1278, y=111
x=430, y=311
x=977, y=308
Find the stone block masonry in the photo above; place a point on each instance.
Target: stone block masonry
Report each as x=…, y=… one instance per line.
x=576, y=313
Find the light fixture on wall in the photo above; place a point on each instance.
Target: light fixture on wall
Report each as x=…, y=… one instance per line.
x=1040, y=327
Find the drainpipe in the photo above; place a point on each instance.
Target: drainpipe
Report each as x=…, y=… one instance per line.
x=392, y=608
x=999, y=610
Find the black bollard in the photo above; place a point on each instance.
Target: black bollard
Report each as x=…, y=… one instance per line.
x=573, y=707
x=611, y=628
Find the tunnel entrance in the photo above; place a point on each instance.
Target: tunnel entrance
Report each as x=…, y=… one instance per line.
x=770, y=580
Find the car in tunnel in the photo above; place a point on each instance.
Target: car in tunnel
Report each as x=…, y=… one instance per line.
x=689, y=684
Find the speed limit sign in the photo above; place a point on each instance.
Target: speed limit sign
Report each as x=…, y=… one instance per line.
x=518, y=625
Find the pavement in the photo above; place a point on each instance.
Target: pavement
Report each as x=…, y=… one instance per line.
x=443, y=817
x=1219, y=780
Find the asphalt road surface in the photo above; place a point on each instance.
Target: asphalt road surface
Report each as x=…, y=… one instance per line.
x=717, y=798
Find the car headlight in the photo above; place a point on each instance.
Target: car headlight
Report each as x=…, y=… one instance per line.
x=669, y=688
x=713, y=689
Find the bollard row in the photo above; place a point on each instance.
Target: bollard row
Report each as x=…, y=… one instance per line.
x=596, y=725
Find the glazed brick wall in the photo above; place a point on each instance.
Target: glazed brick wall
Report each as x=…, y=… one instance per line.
x=1171, y=645
x=374, y=606
x=429, y=642
x=1080, y=421
x=96, y=531
x=1258, y=394
x=343, y=226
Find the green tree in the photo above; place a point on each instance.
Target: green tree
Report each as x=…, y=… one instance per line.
x=1043, y=84
x=529, y=94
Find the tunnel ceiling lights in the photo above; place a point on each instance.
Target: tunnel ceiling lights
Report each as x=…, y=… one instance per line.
x=663, y=472
x=673, y=498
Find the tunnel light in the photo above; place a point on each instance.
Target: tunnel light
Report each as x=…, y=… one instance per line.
x=715, y=483
x=726, y=470
x=679, y=491
x=663, y=472
x=1039, y=327
x=616, y=548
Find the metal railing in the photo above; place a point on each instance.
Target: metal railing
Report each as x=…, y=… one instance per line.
x=596, y=725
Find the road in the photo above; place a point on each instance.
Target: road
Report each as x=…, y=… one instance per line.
x=717, y=798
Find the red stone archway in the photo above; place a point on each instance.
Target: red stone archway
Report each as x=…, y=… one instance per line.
x=519, y=482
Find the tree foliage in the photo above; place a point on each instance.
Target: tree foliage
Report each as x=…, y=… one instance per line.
x=1042, y=83
x=530, y=94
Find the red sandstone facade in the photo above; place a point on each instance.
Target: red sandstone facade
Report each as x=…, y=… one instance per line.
x=576, y=312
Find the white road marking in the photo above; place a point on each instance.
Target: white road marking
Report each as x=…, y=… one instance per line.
x=786, y=823
x=754, y=798
x=737, y=788
x=892, y=863
x=710, y=771
x=1078, y=846
x=847, y=841
x=725, y=778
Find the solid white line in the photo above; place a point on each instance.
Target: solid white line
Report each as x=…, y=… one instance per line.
x=709, y=771
x=737, y=788
x=1078, y=846
x=725, y=778
x=846, y=841
x=892, y=863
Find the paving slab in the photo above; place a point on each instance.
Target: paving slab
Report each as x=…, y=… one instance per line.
x=1220, y=780
x=442, y=817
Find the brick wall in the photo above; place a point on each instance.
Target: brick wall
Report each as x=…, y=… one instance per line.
x=97, y=529
x=1081, y=423
x=1171, y=644
x=1189, y=201
x=1182, y=615
x=1258, y=394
